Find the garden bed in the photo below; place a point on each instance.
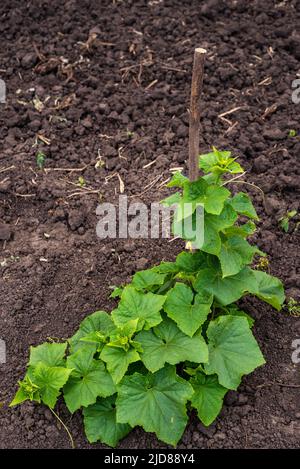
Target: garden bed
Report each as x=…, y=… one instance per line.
x=118, y=105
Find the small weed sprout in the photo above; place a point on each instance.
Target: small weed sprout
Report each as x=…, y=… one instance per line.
x=284, y=221
x=293, y=307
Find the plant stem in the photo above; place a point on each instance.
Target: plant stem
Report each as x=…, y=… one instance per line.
x=249, y=184
x=197, y=80
x=65, y=427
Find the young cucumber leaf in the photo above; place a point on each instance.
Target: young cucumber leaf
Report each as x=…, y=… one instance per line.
x=177, y=180
x=233, y=351
x=122, y=336
x=188, y=312
x=210, y=195
x=118, y=360
x=100, y=423
x=208, y=397
x=268, y=289
x=245, y=230
x=89, y=380
x=50, y=380
x=136, y=305
x=157, y=402
x=225, y=290
x=191, y=262
x=49, y=354
x=42, y=383
x=22, y=396
x=213, y=224
x=242, y=204
x=99, y=321
x=27, y=390
x=188, y=226
x=166, y=343
x=236, y=253
x=219, y=162
x=166, y=268
x=146, y=279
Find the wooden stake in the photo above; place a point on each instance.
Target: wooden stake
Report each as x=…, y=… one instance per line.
x=197, y=80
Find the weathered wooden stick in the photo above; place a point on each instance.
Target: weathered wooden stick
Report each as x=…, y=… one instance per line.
x=197, y=80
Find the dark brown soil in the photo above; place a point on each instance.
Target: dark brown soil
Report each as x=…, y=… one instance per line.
x=125, y=98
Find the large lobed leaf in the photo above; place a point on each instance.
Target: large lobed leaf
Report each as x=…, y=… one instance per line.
x=230, y=289
x=235, y=254
x=268, y=289
x=89, y=380
x=208, y=397
x=233, y=351
x=225, y=290
x=50, y=380
x=50, y=354
x=187, y=311
x=211, y=196
x=166, y=343
x=242, y=204
x=100, y=422
x=118, y=360
x=157, y=402
x=136, y=305
x=146, y=279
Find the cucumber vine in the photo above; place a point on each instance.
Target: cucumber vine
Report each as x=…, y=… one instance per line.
x=177, y=339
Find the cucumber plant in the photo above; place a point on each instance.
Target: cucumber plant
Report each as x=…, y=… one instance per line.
x=178, y=339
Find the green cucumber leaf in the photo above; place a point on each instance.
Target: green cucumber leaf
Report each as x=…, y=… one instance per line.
x=236, y=253
x=177, y=180
x=244, y=230
x=120, y=336
x=166, y=343
x=118, y=360
x=100, y=422
x=146, y=279
x=188, y=312
x=89, y=380
x=191, y=262
x=210, y=162
x=233, y=350
x=50, y=380
x=99, y=321
x=50, y=354
x=27, y=390
x=268, y=289
x=210, y=195
x=214, y=199
x=136, y=305
x=226, y=290
x=234, y=168
x=157, y=402
x=166, y=268
x=208, y=397
x=242, y=204
x=213, y=224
